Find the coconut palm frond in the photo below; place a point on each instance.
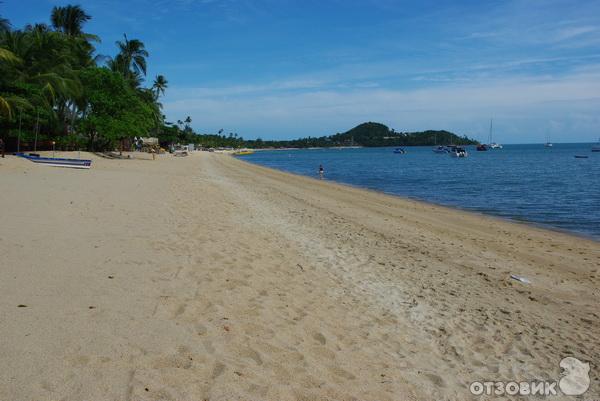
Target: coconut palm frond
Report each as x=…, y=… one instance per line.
x=8, y=56
x=69, y=20
x=5, y=109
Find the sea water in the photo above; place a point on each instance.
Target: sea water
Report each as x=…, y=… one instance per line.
x=532, y=183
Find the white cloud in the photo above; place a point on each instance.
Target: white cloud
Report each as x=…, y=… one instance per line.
x=523, y=105
x=571, y=32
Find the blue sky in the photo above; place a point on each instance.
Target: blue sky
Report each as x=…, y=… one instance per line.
x=283, y=69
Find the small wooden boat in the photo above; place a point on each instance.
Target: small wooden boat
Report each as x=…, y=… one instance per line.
x=56, y=161
x=482, y=148
x=581, y=157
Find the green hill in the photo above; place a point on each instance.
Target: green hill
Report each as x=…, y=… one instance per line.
x=371, y=134
x=376, y=134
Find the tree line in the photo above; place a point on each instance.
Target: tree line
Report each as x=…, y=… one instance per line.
x=55, y=88
x=369, y=134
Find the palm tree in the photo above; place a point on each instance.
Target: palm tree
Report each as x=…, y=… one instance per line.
x=69, y=20
x=37, y=71
x=132, y=56
x=8, y=58
x=159, y=86
x=188, y=121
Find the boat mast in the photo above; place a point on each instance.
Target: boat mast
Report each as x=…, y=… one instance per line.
x=490, y=139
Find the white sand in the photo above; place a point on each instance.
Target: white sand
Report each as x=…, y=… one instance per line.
x=206, y=278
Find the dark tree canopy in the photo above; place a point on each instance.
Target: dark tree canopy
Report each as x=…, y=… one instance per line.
x=52, y=86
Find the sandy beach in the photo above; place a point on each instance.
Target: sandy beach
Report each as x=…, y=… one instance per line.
x=207, y=278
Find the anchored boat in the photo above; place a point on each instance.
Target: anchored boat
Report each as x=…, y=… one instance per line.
x=56, y=161
x=244, y=152
x=457, y=151
x=493, y=145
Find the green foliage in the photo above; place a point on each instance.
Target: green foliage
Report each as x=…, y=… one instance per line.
x=69, y=20
x=369, y=134
x=50, y=84
x=159, y=85
x=114, y=111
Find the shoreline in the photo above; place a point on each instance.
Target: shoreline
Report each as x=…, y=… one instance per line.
x=450, y=208
x=208, y=277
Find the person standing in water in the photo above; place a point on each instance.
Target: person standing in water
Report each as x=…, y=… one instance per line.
x=321, y=171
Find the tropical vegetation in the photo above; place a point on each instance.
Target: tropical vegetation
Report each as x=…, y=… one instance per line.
x=369, y=134
x=54, y=87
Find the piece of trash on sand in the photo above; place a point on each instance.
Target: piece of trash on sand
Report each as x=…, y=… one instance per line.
x=522, y=279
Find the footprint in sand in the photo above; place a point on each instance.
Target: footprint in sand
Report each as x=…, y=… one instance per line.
x=320, y=338
x=208, y=346
x=252, y=354
x=218, y=370
x=201, y=329
x=436, y=380
x=336, y=370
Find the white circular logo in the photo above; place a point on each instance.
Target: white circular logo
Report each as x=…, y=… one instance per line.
x=575, y=379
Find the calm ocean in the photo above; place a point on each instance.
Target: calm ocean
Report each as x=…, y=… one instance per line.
x=547, y=186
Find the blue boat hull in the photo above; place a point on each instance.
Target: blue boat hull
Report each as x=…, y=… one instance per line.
x=58, y=162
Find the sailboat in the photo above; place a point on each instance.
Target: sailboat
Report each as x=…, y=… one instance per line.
x=548, y=144
x=493, y=145
x=596, y=147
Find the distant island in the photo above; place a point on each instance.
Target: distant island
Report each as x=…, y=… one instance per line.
x=371, y=134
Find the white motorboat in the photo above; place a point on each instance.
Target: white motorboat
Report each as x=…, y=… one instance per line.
x=457, y=151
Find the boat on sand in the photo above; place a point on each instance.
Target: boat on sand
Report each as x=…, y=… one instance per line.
x=56, y=161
